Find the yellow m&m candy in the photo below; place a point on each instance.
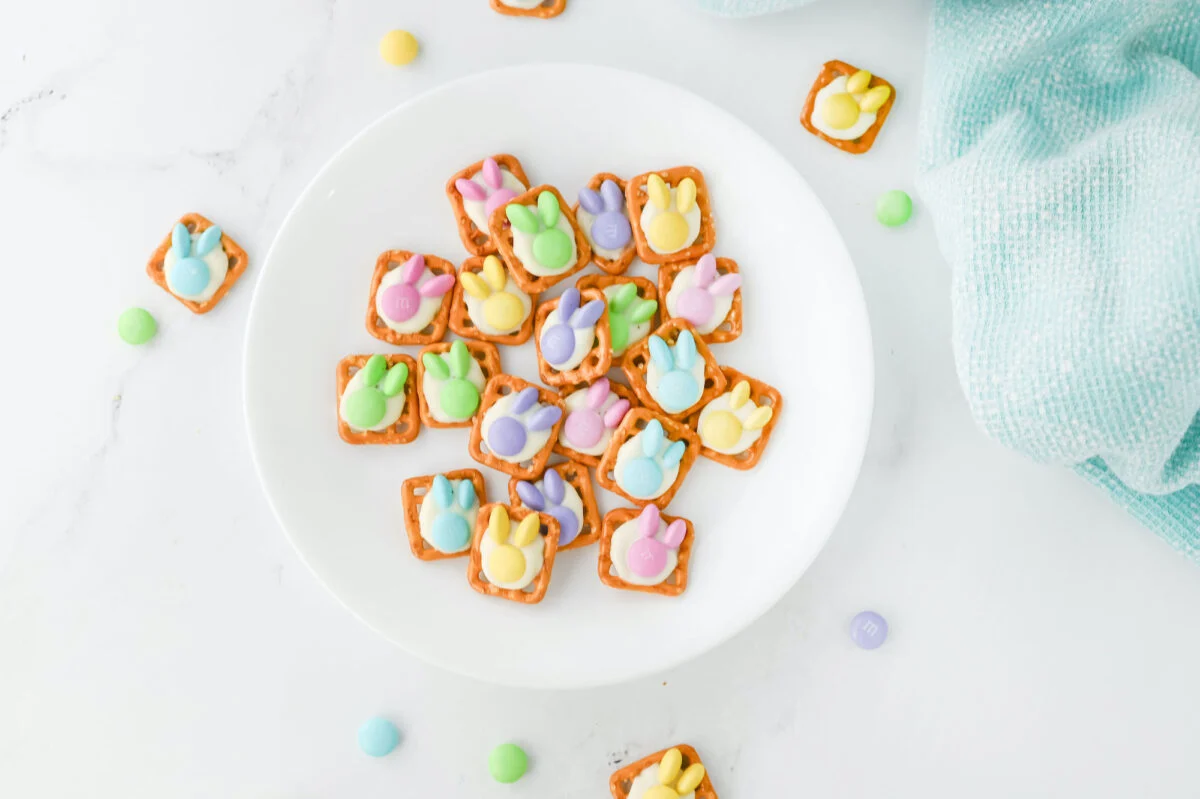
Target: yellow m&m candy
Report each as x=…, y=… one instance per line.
x=398, y=47
x=840, y=111
x=722, y=429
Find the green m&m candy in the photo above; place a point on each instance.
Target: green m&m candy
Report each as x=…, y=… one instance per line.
x=893, y=208
x=136, y=326
x=507, y=763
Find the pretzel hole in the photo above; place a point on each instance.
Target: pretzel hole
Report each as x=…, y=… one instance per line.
x=481, y=357
x=725, y=327
x=764, y=399
x=191, y=227
x=504, y=390
x=401, y=427
x=420, y=491
x=610, y=476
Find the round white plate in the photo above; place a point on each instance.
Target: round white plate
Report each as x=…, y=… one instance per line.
x=805, y=332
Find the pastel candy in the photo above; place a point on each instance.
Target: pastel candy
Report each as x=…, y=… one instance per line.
x=506, y=437
x=583, y=428
x=558, y=344
x=450, y=532
x=400, y=302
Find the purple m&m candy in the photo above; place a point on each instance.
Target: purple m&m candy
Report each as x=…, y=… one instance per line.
x=611, y=230
x=506, y=437
x=558, y=344
x=868, y=629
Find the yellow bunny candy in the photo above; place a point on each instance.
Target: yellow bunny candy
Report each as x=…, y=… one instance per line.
x=659, y=192
x=685, y=195
x=874, y=99
x=739, y=395
x=672, y=784
x=502, y=310
x=507, y=562
x=858, y=82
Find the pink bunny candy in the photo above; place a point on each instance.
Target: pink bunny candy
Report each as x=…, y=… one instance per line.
x=401, y=301
x=647, y=556
x=696, y=302
x=495, y=195
x=585, y=427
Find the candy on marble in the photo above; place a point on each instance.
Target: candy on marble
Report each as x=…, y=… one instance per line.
x=136, y=326
x=377, y=736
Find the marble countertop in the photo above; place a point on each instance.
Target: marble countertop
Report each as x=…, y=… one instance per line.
x=158, y=635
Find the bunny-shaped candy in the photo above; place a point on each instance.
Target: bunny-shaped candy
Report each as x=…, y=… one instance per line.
x=592, y=418
x=517, y=426
x=555, y=496
x=511, y=558
x=195, y=266
x=731, y=423
x=846, y=108
x=494, y=303
x=628, y=316
x=702, y=297
x=602, y=217
x=670, y=220
x=452, y=383
x=647, y=556
x=374, y=397
x=448, y=514
x=675, y=376
x=648, y=463
x=480, y=199
x=407, y=304
x=544, y=242
x=569, y=331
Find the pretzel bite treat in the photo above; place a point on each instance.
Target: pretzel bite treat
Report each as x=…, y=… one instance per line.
x=478, y=190
x=675, y=773
x=512, y=553
x=377, y=400
x=452, y=376
x=488, y=305
x=564, y=492
x=734, y=427
x=516, y=428
x=573, y=342
x=539, y=239
x=632, y=305
x=410, y=298
x=648, y=458
x=673, y=370
x=541, y=9
x=847, y=106
x=645, y=551
x=197, y=263
x=708, y=294
x=594, y=412
x=440, y=512
x=670, y=213
x=604, y=218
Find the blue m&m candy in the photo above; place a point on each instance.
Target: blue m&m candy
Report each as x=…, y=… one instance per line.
x=450, y=532
x=378, y=736
x=641, y=477
x=189, y=276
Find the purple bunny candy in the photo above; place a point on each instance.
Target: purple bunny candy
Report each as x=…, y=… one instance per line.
x=558, y=341
x=610, y=229
x=508, y=435
x=549, y=500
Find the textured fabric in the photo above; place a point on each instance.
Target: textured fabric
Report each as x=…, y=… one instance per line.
x=1060, y=160
x=748, y=8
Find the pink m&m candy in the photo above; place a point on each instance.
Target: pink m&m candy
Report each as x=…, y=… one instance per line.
x=583, y=428
x=696, y=305
x=400, y=302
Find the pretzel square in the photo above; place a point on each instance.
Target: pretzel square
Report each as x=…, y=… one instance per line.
x=460, y=319
x=646, y=291
x=837, y=69
x=618, y=265
x=501, y=232
x=413, y=492
x=476, y=241
x=548, y=9
x=436, y=329
x=729, y=329
x=595, y=364
x=406, y=427
x=575, y=475
x=638, y=358
x=636, y=199
x=760, y=394
x=634, y=422
x=238, y=261
x=620, y=389
x=489, y=362
x=549, y=532
x=499, y=386
x=622, y=780
x=675, y=583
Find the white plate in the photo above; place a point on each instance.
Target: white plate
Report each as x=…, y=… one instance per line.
x=805, y=332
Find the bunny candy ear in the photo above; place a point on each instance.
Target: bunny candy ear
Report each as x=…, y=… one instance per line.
x=548, y=208
x=758, y=418
x=685, y=195
x=470, y=190
x=530, y=496
x=623, y=297
x=685, y=350
x=648, y=521
x=526, y=399
x=441, y=491
x=725, y=285
x=181, y=240
x=521, y=218
x=437, y=286
x=491, y=173
x=657, y=191
x=676, y=530
x=674, y=454
x=552, y=483
x=597, y=393
x=527, y=531
x=459, y=359
x=544, y=418
x=652, y=438
x=209, y=240
x=493, y=273
x=498, y=524
x=643, y=311
x=690, y=780
x=615, y=413
x=668, y=767
x=393, y=382
x=588, y=315
x=474, y=285
x=412, y=269
x=739, y=395
x=435, y=365
x=706, y=270
x=614, y=198
x=591, y=202
x=466, y=495
x=660, y=354
x=568, y=303
x=373, y=370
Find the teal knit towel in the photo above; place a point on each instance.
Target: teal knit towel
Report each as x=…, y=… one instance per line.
x=1060, y=161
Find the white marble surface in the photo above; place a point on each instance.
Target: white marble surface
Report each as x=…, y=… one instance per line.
x=158, y=636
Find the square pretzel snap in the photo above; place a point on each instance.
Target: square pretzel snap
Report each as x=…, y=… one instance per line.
x=488, y=305
x=707, y=293
x=512, y=553
x=410, y=297
x=678, y=769
x=541, y=9
x=593, y=413
x=572, y=337
x=847, y=106
x=440, y=511
x=670, y=214
x=565, y=492
x=603, y=215
x=451, y=376
x=643, y=550
x=648, y=458
x=632, y=312
x=673, y=370
x=538, y=237
x=377, y=399
x=500, y=175
x=516, y=427
x=195, y=268
x=735, y=426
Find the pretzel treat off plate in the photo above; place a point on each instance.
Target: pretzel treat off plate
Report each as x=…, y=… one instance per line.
x=847, y=106
x=540, y=9
x=195, y=266
x=678, y=769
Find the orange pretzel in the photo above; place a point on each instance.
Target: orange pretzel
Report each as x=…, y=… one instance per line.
x=837, y=69
x=436, y=329
x=621, y=781
x=413, y=492
x=548, y=9
x=502, y=235
x=238, y=261
x=595, y=363
x=675, y=583
x=636, y=199
x=475, y=240
x=501, y=386
x=620, y=389
x=638, y=358
x=760, y=394
x=406, y=427
x=537, y=589
x=489, y=362
x=646, y=291
x=460, y=319
x=729, y=329
x=575, y=475
x=618, y=265
x=634, y=422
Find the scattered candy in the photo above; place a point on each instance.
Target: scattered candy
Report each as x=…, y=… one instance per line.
x=893, y=208
x=136, y=326
x=378, y=736
x=398, y=47
x=869, y=630
x=507, y=763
